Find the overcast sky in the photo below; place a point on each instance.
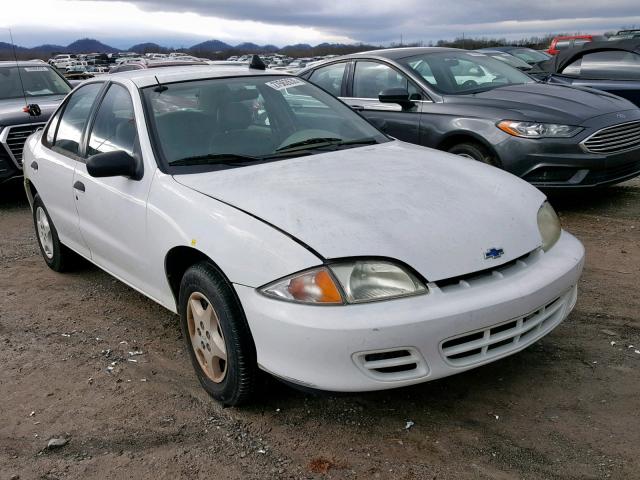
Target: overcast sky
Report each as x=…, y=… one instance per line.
x=177, y=23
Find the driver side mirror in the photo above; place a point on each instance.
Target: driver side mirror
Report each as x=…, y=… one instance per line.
x=397, y=95
x=114, y=164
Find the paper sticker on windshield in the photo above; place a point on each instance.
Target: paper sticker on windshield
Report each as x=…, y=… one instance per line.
x=35, y=69
x=285, y=83
x=476, y=54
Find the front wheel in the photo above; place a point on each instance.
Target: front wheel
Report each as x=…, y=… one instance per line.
x=476, y=152
x=217, y=335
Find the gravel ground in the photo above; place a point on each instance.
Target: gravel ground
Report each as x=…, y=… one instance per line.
x=567, y=407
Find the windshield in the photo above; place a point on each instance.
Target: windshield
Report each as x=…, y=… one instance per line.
x=457, y=73
x=529, y=55
x=232, y=121
x=37, y=80
x=510, y=60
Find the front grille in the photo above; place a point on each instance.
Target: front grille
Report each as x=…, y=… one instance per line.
x=13, y=139
x=490, y=274
x=615, y=139
x=498, y=340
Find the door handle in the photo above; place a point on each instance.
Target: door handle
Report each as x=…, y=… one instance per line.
x=357, y=108
x=79, y=186
x=34, y=165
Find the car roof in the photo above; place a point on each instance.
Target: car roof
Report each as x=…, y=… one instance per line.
x=402, y=52
x=387, y=53
x=147, y=77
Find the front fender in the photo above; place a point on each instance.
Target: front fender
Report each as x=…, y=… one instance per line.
x=247, y=250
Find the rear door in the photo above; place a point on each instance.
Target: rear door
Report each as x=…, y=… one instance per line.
x=56, y=159
x=370, y=78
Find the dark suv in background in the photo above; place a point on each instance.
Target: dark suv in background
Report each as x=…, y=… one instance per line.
x=470, y=104
x=22, y=84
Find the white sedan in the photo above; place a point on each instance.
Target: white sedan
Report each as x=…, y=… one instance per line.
x=292, y=236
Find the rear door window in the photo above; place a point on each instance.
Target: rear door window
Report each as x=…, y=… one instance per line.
x=330, y=78
x=74, y=119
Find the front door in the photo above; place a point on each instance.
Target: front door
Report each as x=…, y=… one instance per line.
x=370, y=78
x=112, y=210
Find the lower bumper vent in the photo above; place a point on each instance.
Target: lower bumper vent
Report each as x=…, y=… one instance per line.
x=392, y=364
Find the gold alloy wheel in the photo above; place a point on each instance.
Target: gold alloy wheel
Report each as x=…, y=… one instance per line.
x=44, y=232
x=207, y=338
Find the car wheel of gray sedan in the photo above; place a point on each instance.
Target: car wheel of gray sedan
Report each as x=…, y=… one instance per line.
x=474, y=151
x=217, y=335
x=58, y=257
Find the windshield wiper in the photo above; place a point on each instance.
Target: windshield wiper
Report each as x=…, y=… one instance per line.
x=222, y=158
x=309, y=141
x=330, y=142
x=359, y=141
x=231, y=158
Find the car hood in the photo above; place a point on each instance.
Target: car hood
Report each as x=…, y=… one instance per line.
x=11, y=110
x=542, y=102
x=438, y=213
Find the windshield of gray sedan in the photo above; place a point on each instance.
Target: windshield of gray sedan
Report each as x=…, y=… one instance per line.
x=458, y=73
x=38, y=81
x=250, y=119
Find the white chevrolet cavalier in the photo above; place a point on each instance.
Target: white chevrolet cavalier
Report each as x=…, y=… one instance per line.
x=291, y=235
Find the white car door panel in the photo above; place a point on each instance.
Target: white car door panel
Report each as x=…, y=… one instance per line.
x=57, y=158
x=112, y=210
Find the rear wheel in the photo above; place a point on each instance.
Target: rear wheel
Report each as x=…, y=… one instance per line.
x=58, y=257
x=217, y=335
x=474, y=151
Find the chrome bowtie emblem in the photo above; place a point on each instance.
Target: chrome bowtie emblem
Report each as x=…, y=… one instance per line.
x=493, y=253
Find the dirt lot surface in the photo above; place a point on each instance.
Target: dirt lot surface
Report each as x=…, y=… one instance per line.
x=567, y=407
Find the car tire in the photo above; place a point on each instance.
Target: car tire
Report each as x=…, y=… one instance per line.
x=474, y=151
x=217, y=335
x=58, y=257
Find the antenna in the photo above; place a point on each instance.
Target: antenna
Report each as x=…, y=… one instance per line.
x=33, y=110
x=15, y=57
x=160, y=88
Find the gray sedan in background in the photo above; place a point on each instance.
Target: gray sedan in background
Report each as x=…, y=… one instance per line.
x=470, y=104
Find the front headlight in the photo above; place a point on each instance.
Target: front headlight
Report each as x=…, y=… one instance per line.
x=353, y=281
x=549, y=226
x=538, y=130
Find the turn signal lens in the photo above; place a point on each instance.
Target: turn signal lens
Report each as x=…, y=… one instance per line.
x=313, y=286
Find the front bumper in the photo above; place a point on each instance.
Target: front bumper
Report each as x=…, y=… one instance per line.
x=401, y=342
x=562, y=163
